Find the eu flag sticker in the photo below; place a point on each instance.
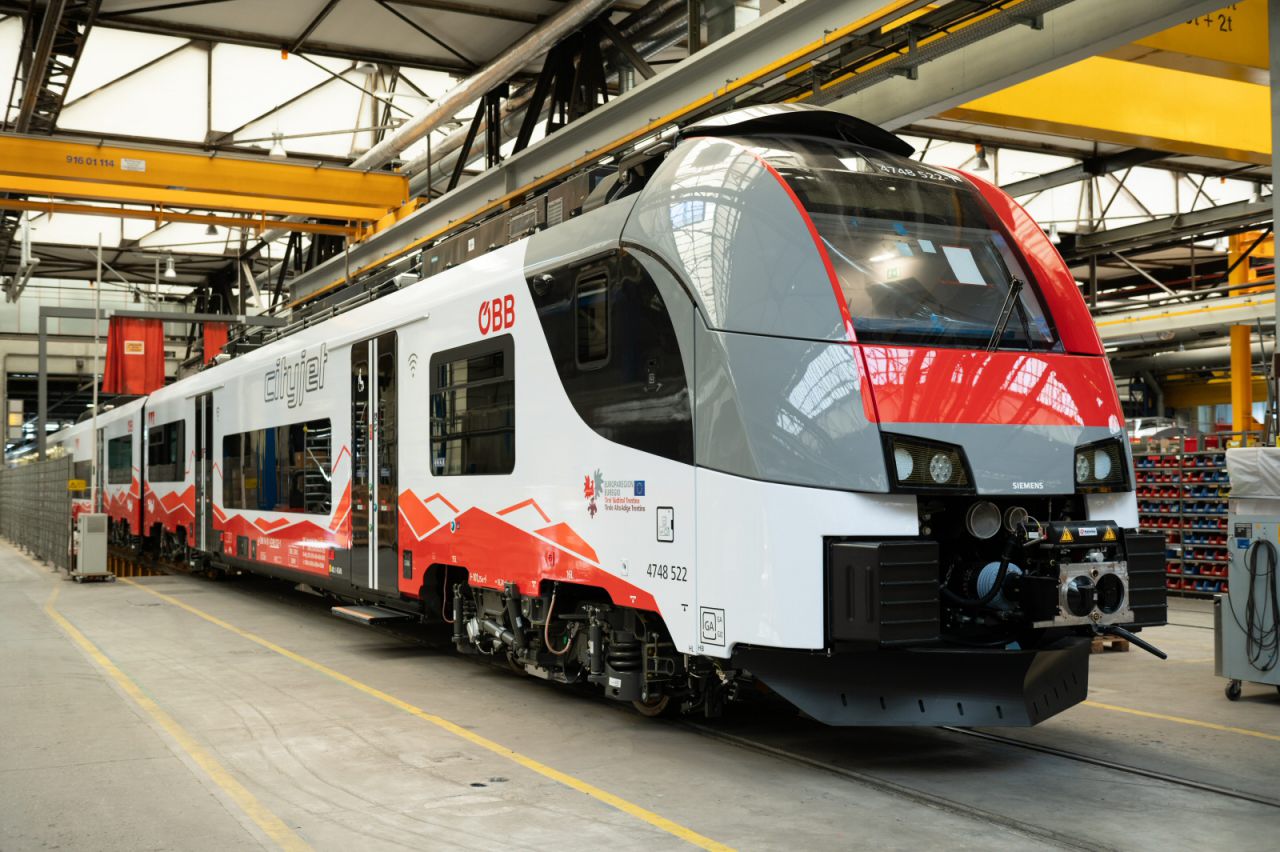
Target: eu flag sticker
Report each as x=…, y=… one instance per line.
x=639, y=488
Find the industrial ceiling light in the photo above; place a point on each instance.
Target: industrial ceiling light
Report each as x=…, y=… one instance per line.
x=1221, y=245
x=169, y=271
x=981, y=151
x=211, y=231
x=365, y=69
x=277, y=145
x=1054, y=236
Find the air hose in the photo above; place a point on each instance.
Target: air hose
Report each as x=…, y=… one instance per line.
x=1006, y=556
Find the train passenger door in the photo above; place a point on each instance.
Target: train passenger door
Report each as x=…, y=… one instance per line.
x=203, y=473
x=374, y=512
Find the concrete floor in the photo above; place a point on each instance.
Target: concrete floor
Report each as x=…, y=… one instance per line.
x=263, y=750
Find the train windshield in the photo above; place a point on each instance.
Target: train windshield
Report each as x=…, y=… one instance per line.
x=919, y=256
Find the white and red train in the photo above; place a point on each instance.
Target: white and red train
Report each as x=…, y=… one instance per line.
x=789, y=408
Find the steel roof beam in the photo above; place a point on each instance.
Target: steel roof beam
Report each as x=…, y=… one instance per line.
x=532, y=45
x=248, y=39
x=1071, y=32
x=749, y=59
x=39, y=63
x=161, y=7
x=1170, y=228
x=424, y=31
x=1090, y=167
x=474, y=10
x=311, y=27
x=162, y=216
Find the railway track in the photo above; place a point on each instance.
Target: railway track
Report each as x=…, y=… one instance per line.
x=130, y=564
x=1138, y=771
x=952, y=805
x=905, y=791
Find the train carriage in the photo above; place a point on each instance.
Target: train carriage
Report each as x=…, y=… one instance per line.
x=168, y=492
x=75, y=442
x=121, y=470
x=781, y=406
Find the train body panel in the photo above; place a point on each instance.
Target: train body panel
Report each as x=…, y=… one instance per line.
x=168, y=491
x=120, y=450
x=789, y=399
x=76, y=442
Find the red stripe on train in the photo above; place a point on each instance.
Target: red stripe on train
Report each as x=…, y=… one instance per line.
x=939, y=385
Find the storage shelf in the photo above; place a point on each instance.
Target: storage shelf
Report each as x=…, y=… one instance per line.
x=1185, y=472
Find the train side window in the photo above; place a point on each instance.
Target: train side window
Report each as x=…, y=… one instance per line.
x=279, y=469
x=166, y=460
x=473, y=409
x=591, y=320
x=120, y=460
x=618, y=354
x=240, y=471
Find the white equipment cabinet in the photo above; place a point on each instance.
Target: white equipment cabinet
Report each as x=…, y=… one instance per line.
x=91, y=549
x=1247, y=618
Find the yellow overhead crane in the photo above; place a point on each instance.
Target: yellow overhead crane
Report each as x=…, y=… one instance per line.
x=1199, y=88
x=59, y=170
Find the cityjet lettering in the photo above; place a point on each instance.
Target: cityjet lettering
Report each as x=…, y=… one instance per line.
x=293, y=380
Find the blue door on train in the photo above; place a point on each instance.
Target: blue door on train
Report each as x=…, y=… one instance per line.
x=373, y=466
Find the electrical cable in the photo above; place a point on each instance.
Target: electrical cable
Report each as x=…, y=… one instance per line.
x=444, y=599
x=546, y=627
x=1262, y=642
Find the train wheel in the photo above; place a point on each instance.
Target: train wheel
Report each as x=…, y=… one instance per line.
x=654, y=706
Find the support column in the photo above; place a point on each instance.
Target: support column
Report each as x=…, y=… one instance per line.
x=1241, y=379
x=1273, y=49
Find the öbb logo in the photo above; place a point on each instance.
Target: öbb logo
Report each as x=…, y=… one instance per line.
x=498, y=314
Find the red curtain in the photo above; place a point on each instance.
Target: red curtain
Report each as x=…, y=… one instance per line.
x=215, y=337
x=135, y=356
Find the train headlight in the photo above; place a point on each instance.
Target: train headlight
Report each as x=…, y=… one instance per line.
x=1082, y=467
x=1101, y=464
x=903, y=464
x=940, y=468
x=916, y=464
x=1101, y=467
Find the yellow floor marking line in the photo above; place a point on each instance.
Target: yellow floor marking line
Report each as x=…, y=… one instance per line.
x=643, y=814
x=1183, y=721
x=270, y=824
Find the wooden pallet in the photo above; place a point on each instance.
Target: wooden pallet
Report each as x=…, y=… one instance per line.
x=1108, y=643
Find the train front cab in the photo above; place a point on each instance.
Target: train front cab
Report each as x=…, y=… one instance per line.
x=885, y=477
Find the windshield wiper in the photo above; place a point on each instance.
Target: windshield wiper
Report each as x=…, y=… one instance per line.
x=1011, y=302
